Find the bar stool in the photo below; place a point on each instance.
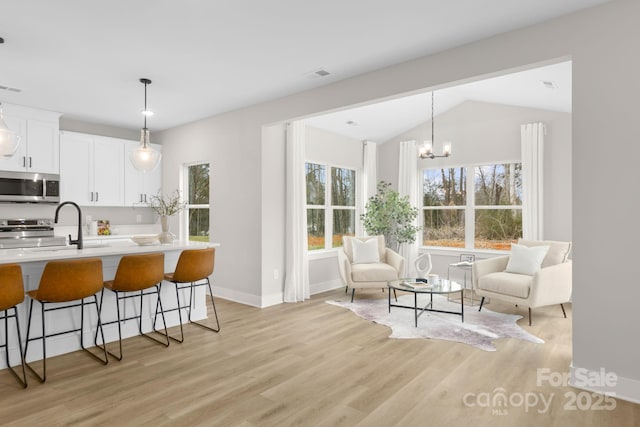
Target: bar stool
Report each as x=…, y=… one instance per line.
x=63, y=282
x=136, y=273
x=193, y=265
x=12, y=294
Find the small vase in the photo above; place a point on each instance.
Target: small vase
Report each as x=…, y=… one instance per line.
x=165, y=236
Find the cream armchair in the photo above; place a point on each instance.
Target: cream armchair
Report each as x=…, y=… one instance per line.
x=368, y=275
x=548, y=286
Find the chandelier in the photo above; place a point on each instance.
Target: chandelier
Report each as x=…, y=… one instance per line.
x=426, y=151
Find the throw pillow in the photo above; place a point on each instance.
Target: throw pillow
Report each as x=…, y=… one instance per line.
x=365, y=252
x=524, y=260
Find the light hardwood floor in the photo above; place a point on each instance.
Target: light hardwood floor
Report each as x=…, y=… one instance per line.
x=308, y=364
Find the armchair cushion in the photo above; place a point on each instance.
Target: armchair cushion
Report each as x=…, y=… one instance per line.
x=374, y=272
x=557, y=254
x=526, y=260
x=365, y=252
x=347, y=245
x=515, y=285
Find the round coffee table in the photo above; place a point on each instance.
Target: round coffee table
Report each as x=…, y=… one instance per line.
x=441, y=286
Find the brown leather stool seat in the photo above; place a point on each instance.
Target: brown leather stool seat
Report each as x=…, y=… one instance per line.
x=62, y=282
x=194, y=265
x=12, y=294
x=135, y=274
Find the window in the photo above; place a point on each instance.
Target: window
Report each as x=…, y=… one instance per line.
x=488, y=218
x=198, y=202
x=331, y=205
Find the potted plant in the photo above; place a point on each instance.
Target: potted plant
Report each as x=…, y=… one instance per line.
x=166, y=207
x=390, y=214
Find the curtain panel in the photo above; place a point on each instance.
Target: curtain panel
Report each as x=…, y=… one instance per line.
x=296, y=284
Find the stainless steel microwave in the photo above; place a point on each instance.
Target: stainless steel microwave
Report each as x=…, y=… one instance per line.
x=29, y=187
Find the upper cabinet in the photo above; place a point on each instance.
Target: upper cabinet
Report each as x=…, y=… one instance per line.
x=96, y=171
x=140, y=186
x=91, y=169
x=39, y=143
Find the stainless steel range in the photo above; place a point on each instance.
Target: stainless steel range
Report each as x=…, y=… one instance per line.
x=28, y=233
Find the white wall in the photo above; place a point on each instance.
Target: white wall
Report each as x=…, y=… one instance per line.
x=601, y=41
x=490, y=133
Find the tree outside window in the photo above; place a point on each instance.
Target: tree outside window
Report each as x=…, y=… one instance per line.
x=198, y=202
x=331, y=208
x=492, y=213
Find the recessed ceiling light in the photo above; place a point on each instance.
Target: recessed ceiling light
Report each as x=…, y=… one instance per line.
x=352, y=123
x=548, y=84
x=1, y=40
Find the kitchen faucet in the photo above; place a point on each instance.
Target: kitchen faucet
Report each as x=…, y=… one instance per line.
x=79, y=240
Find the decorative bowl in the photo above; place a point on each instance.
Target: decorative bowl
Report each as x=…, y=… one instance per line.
x=148, y=239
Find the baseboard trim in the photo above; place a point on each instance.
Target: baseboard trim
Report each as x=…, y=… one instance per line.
x=237, y=296
x=625, y=388
x=329, y=285
x=272, y=299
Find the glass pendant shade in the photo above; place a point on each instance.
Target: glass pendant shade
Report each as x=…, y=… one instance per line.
x=9, y=140
x=145, y=158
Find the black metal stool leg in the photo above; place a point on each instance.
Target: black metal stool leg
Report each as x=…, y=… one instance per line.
x=86, y=350
x=178, y=308
x=42, y=378
x=23, y=380
x=481, y=303
x=191, y=301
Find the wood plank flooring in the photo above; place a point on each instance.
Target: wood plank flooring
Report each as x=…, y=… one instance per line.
x=306, y=364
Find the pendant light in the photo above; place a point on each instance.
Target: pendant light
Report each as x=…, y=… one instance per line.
x=426, y=151
x=9, y=140
x=145, y=158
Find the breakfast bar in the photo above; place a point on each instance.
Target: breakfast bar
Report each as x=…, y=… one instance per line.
x=33, y=261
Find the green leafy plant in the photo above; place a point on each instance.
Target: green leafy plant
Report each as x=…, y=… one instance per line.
x=391, y=215
x=166, y=206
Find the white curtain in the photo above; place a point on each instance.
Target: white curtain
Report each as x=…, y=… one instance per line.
x=408, y=186
x=296, y=284
x=369, y=177
x=532, y=184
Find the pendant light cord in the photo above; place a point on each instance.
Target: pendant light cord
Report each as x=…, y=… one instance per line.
x=433, y=142
x=145, y=105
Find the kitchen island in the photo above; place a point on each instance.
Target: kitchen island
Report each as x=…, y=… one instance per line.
x=33, y=261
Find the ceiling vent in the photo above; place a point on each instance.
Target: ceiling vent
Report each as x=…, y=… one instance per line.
x=352, y=123
x=10, y=89
x=321, y=72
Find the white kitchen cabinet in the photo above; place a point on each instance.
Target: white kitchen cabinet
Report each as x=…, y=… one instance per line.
x=39, y=143
x=91, y=169
x=140, y=186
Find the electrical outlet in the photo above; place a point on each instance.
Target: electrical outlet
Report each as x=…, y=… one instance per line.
x=138, y=218
x=275, y=274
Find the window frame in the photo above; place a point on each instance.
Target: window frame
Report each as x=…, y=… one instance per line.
x=188, y=206
x=329, y=208
x=469, y=207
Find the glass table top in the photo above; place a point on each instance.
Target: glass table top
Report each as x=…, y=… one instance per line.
x=441, y=286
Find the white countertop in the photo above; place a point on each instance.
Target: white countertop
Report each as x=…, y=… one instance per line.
x=92, y=249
